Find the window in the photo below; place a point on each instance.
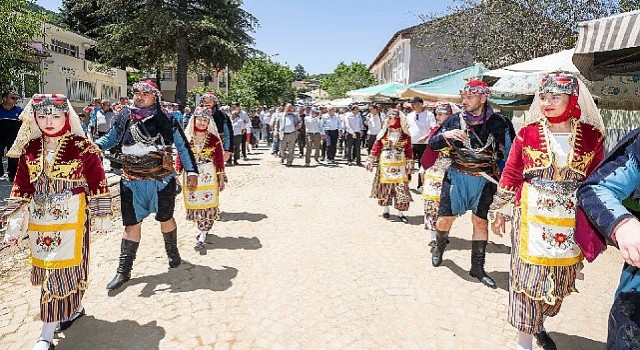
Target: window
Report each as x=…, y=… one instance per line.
x=64, y=48
x=167, y=74
x=202, y=77
x=78, y=90
x=111, y=92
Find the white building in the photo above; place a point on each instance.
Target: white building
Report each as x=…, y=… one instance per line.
x=65, y=69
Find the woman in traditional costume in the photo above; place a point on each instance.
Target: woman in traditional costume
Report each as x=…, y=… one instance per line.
x=202, y=203
x=435, y=164
x=59, y=194
x=394, y=155
x=557, y=148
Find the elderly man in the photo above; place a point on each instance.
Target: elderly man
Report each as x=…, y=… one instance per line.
x=313, y=133
x=478, y=138
x=104, y=119
x=289, y=125
x=420, y=122
x=146, y=135
x=330, y=126
x=353, y=128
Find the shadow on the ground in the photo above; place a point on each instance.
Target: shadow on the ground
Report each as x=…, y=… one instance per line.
x=500, y=277
x=574, y=342
x=185, y=278
x=456, y=243
x=91, y=333
x=214, y=242
x=244, y=216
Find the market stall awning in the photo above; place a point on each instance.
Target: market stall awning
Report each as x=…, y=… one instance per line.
x=520, y=81
x=385, y=90
x=609, y=46
x=444, y=87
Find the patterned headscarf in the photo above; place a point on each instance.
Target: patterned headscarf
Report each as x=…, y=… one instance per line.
x=476, y=86
x=562, y=83
x=444, y=108
x=147, y=86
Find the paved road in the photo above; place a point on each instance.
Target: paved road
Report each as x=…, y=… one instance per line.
x=302, y=260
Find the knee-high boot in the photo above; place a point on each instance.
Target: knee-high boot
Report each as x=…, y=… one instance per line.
x=171, y=247
x=128, y=250
x=441, y=243
x=478, y=253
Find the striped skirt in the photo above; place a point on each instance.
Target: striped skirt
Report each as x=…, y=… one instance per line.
x=63, y=289
x=387, y=194
x=535, y=291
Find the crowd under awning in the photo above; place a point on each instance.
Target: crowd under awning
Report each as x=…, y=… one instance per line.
x=609, y=46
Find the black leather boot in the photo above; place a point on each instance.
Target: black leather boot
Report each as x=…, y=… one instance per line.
x=544, y=341
x=442, y=237
x=478, y=252
x=171, y=247
x=128, y=250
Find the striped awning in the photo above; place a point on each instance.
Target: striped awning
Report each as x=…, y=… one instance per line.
x=609, y=46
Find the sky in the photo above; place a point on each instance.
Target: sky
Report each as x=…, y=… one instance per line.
x=319, y=34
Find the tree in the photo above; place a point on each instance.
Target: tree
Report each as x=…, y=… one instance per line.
x=20, y=25
x=262, y=82
x=347, y=77
x=629, y=5
x=192, y=34
x=300, y=72
x=503, y=32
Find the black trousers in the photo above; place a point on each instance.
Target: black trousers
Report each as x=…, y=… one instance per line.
x=353, y=148
x=332, y=142
x=418, y=150
x=371, y=139
x=237, y=144
x=302, y=141
x=9, y=132
x=244, y=145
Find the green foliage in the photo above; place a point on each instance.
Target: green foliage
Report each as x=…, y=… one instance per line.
x=347, y=77
x=262, y=82
x=629, y=5
x=20, y=25
x=300, y=72
x=503, y=32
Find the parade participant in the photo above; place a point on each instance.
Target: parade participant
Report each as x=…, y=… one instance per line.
x=435, y=165
x=223, y=121
x=393, y=153
x=478, y=138
x=145, y=136
x=289, y=125
x=202, y=203
x=557, y=148
x=60, y=194
x=330, y=125
x=313, y=134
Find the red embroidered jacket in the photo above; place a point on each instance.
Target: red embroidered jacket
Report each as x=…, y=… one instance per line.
x=211, y=152
x=76, y=160
x=405, y=142
x=530, y=157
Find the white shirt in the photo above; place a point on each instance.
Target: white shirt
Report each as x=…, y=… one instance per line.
x=420, y=125
x=238, y=126
x=375, y=123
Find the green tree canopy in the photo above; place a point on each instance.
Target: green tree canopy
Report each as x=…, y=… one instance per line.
x=300, y=72
x=502, y=32
x=20, y=25
x=261, y=81
x=347, y=77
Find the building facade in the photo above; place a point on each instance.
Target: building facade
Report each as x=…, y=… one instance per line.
x=407, y=58
x=216, y=80
x=66, y=67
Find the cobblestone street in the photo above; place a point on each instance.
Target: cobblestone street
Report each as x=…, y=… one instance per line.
x=302, y=260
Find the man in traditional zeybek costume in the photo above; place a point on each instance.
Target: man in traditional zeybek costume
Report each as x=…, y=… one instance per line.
x=478, y=138
x=148, y=184
x=60, y=194
x=202, y=203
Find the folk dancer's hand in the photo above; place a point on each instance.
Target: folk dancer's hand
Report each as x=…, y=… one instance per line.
x=498, y=225
x=192, y=182
x=221, y=182
x=457, y=134
x=226, y=156
x=628, y=237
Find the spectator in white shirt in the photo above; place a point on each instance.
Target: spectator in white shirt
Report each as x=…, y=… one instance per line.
x=353, y=131
x=375, y=121
x=239, y=130
x=313, y=134
x=420, y=122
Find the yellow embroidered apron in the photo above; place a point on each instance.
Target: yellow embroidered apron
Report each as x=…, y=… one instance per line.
x=393, y=166
x=432, y=179
x=206, y=194
x=548, y=222
x=56, y=229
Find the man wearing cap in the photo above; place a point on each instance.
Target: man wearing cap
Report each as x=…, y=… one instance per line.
x=478, y=138
x=313, y=134
x=420, y=122
x=145, y=136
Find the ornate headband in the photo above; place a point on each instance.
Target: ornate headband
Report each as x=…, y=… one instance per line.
x=559, y=83
x=50, y=103
x=444, y=108
x=477, y=87
x=209, y=96
x=146, y=86
x=202, y=112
